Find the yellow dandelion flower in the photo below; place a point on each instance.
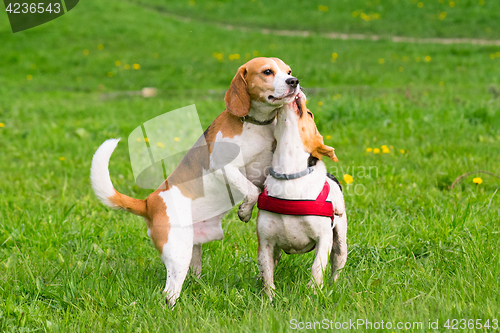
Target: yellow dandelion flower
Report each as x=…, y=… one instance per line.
x=328, y=137
x=334, y=55
x=481, y=2
x=497, y=54
x=29, y=77
x=323, y=8
x=369, y=150
x=376, y=150
x=62, y=158
x=118, y=63
x=161, y=145
x=176, y=139
x=381, y=61
x=127, y=66
x=136, y=66
x=110, y=74
x=442, y=16
x=492, y=56
x=386, y=150
x=383, y=146
x=452, y=4
x=86, y=52
x=320, y=103
x=155, y=55
x=428, y=58
x=348, y=178
x=477, y=180
x=2, y=125
x=402, y=151
x=420, y=4
x=146, y=140
x=100, y=47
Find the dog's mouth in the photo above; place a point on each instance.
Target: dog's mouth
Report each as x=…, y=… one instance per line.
x=274, y=99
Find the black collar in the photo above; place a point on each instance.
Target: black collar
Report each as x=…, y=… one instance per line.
x=252, y=120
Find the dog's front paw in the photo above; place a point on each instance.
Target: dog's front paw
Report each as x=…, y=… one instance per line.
x=245, y=212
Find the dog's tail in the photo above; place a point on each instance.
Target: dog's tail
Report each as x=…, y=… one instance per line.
x=102, y=186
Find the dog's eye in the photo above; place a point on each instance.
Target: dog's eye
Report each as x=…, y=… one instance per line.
x=267, y=72
x=310, y=114
x=289, y=73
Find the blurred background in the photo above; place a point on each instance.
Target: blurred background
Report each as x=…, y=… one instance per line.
x=406, y=91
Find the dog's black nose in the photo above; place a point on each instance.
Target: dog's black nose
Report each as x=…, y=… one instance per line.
x=292, y=82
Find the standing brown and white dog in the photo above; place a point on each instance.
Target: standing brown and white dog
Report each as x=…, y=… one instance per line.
x=296, y=193
x=183, y=213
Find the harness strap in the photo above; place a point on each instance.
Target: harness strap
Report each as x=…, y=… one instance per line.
x=318, y=207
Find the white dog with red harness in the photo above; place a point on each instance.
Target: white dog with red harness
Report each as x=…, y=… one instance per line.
x=301, y=207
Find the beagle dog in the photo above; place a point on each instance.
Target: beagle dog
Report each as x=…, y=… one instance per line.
x=297, y=180
x=185, y=211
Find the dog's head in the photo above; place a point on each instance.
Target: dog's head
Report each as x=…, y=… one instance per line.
x=312, y=140
x=266, y=81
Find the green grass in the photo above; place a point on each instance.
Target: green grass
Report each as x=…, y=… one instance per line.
x=426, y=18
x=417, y=250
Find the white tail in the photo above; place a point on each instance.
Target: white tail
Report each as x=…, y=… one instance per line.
x=99, y=173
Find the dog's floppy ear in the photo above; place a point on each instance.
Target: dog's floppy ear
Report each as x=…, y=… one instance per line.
x=237, y=98
x=324, y=150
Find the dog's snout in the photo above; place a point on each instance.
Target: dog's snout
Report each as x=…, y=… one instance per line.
x=292, y=82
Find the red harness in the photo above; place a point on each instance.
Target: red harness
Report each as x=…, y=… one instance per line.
x=318, y=207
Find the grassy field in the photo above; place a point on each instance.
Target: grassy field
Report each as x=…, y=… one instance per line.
x=418, y=251
x=434, y=18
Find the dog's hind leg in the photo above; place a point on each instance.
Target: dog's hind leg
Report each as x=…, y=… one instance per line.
x=195, y=265
x=276, y=255
x=176, y=256
x=323, y=248
x=177, y=252
x=266, y=266
x=338, y=256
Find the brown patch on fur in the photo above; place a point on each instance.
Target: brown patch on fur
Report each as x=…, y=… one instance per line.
x=312, y=140
x=237, y=98
x=188, y=175
x=226, y=123
x=158, y=223
x=134, y=206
